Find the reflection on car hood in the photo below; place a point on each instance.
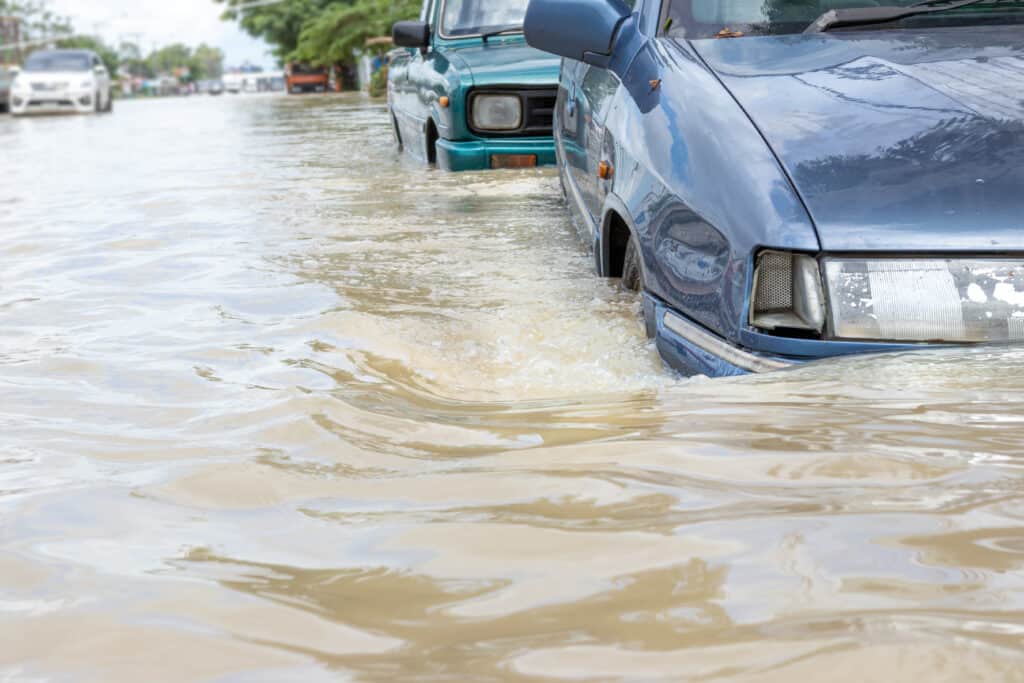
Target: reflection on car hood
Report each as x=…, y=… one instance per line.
x=508, y=61
x=896, y=140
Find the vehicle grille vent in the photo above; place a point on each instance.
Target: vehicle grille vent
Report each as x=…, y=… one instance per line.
x=539, y=111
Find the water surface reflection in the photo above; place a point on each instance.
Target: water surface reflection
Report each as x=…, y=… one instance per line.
x=278, y=404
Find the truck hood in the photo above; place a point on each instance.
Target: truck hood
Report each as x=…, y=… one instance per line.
x=507, y=61
x=895, y=140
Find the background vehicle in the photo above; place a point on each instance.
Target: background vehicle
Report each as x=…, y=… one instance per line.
x=6, y=77
x=785, y=187
x=233, y=83
x=300, y=78
x=467, y=92
x=53, y=81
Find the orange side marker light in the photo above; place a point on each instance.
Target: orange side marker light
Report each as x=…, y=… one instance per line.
x=444, y=101
x=605, y=170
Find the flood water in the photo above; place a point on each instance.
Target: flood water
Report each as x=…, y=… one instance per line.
x=277, y=404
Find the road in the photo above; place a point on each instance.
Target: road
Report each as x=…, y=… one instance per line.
x=278, y=404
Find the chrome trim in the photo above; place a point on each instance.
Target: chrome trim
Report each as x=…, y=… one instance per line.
x=715, y=346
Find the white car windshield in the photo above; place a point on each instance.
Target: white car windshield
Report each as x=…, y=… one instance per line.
x=58, y=61
x=473, y=17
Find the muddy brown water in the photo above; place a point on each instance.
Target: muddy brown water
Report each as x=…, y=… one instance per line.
x=276, y=404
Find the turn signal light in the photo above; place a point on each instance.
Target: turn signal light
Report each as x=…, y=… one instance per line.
x=444, y=101
x=605, y=170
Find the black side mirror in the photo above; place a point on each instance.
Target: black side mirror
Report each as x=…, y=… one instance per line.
x=411, y=34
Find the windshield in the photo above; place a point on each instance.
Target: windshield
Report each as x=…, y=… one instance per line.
x=58, y=61
x=730, y=18
x=473, y=17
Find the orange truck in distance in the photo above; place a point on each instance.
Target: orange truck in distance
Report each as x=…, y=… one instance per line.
x=302, y=78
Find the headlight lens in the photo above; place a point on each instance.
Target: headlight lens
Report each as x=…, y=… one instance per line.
x=916, y=300
x=787, y=293
x=20, y=85
x=497, y=112
x=87, y=84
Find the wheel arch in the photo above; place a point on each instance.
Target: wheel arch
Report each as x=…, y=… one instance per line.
x=431, y=136
x=617, y=228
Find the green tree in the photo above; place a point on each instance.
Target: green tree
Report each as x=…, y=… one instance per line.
x=207, y=62
x=35, y=21
x=340, y=32
x=171, y=58
x=280, y=24
x=133, y=63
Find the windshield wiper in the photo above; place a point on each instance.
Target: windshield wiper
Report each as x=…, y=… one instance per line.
x=499, y=31
x=864, y=16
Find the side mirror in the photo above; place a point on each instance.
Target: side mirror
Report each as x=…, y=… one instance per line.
x=411, y=34
x=583, y=30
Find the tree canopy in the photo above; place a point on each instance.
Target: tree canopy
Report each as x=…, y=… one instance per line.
x=338, y=33
x=320, y=32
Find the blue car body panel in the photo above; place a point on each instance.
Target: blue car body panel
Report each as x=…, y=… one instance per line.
x=883, y=141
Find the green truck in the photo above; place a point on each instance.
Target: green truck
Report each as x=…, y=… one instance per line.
x=466, y=92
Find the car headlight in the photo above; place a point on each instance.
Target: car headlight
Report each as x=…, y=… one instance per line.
x=89, y=84
x=20, y=85
x=917, y=300
x=496, y=112
x=787, y=293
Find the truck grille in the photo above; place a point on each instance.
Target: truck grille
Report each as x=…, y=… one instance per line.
x=538, y=111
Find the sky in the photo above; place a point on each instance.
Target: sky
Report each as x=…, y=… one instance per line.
x=160, y=22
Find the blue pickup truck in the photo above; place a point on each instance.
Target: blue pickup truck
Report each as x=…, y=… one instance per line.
x=466, y=91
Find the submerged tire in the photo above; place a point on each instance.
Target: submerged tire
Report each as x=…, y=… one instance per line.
x=632, y=270
x=633, y=281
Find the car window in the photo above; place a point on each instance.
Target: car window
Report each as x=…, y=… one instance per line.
x=473, y=17
x=57, y=61
x=708, y=18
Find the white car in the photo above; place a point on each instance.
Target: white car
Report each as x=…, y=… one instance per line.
x=53, y=81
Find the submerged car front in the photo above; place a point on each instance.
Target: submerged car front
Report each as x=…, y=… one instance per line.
x=54, y=81
x=904, y=141
x=799, y=193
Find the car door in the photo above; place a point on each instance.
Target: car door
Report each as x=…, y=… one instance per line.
x=596, y=92
x=413, y=109
x=569, y=134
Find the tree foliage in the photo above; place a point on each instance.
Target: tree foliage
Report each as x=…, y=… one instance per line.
x=339, y=32
x=37, y=20
x=279, y=24
x=321, y=32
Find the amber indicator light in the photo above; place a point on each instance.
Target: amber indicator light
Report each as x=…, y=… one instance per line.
x=444, y=101
x=604, y=170
x=513, y=160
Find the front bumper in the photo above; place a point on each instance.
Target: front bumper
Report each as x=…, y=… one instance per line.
x=52, y=103
x=694, y=350
x=475, y=155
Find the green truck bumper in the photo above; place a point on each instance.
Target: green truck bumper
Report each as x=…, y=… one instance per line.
x=475, y=155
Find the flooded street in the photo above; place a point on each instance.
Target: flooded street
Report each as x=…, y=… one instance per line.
x=277, y=404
